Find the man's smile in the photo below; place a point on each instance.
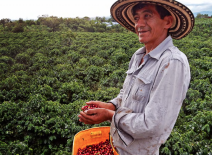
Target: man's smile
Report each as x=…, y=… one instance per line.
x=142, y=31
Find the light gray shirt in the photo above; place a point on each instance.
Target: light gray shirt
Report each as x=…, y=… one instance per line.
x=150, y=101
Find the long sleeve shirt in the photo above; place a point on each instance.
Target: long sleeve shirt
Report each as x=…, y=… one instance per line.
x=150, y=101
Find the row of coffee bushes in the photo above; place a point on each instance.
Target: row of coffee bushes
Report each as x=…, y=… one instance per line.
x=45, y=78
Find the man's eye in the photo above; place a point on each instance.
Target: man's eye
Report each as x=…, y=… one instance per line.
x=135, y=18
x=147, y=15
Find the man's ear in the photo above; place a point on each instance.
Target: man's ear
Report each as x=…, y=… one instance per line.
x=169, y=21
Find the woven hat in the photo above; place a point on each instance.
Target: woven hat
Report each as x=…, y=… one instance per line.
x=183, y=23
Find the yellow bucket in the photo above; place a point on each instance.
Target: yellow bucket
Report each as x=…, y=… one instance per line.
x=91, y=136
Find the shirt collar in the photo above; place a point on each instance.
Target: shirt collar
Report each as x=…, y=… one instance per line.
x=156, y=53
x=141, y=51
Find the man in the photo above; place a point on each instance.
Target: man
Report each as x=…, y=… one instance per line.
x=144, y=113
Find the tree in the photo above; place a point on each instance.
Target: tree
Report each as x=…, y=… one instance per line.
x=199, y=15
x=111, y=19
x=52, y=22
x=86, y=18
x=19, y=27
x=4, y=21
x=20, y=20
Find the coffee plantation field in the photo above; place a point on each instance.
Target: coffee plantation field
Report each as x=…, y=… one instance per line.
x=46, y=77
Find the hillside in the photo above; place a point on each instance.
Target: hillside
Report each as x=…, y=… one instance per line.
x=45, y=78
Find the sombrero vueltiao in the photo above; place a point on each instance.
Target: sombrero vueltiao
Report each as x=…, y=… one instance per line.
x=121, y=11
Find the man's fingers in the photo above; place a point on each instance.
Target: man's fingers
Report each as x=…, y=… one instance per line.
x=92, y=102
x=92, y=116
x=85, y=119
x=83, y=107
x=91, y=111
x=85, y=116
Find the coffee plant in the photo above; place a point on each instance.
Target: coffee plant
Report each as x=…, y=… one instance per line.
x=48, y=73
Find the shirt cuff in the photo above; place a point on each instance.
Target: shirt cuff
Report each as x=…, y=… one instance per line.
x=113, y=104
x=120, y=113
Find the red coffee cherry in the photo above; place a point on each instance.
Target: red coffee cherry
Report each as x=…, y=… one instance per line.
x=92, y=106
x=102, y=148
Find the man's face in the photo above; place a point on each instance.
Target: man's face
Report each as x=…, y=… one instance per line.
x=150, y=28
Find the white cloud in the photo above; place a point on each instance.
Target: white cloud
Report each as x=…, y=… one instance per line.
x=200, y=8
x=197, y=5
x=187, y=2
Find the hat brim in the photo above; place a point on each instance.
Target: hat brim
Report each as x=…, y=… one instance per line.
x=183, y=23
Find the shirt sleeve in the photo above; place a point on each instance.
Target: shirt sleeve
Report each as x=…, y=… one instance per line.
x=161, y=112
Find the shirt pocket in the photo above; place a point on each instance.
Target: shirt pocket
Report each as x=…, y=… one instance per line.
x=128, y=77
x=141, y=88
x=126, y=84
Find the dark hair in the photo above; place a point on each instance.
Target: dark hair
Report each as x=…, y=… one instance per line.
x=161, y=10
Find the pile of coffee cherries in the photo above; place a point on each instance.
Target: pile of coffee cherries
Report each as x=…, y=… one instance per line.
x=91, y=106
x=103, y=148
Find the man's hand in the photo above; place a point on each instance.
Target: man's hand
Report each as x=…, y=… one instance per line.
x=96, y=116
x=100, y=104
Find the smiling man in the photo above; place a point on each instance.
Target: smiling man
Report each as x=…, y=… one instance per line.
x=150, y=27
x=144, y=112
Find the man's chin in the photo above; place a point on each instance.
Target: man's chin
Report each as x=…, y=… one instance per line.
x=142, y=40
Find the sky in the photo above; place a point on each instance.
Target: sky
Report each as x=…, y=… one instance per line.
x=31, y=9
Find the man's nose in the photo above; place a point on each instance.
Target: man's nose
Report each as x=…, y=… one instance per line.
x=141, y=22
